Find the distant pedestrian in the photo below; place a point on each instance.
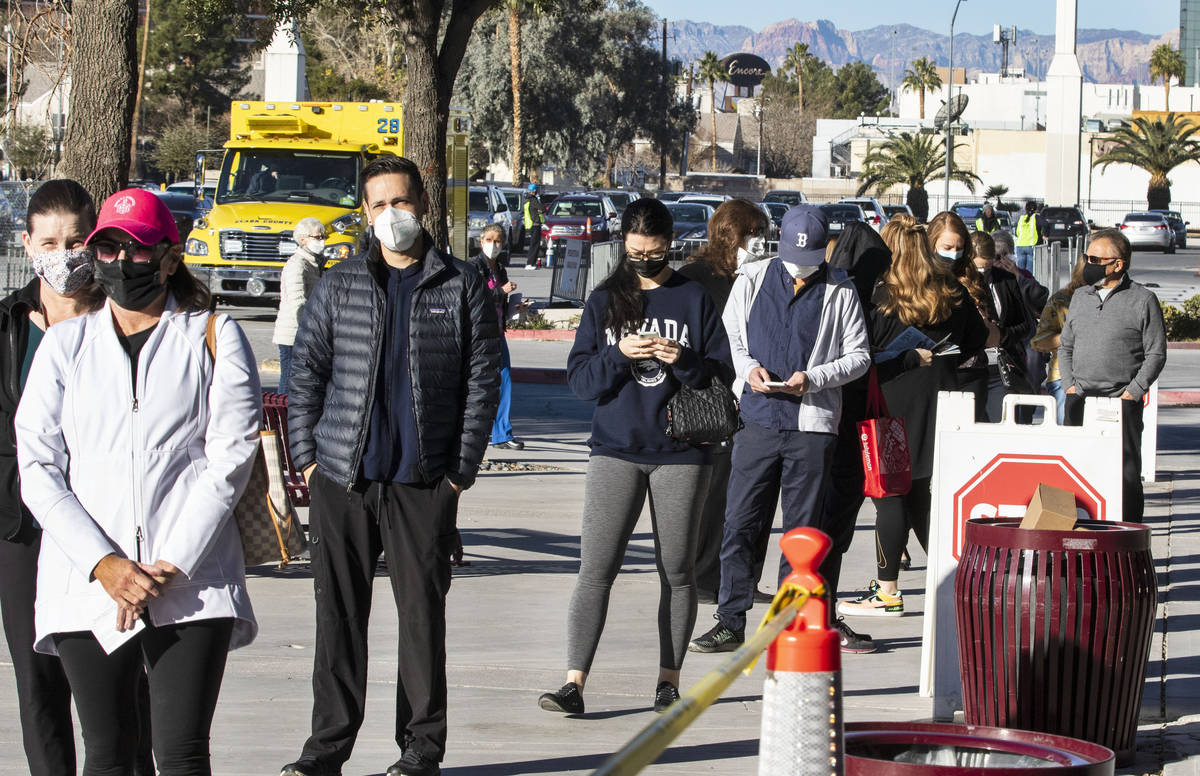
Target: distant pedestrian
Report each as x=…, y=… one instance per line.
x=646, y=331
x=134, y=446
x=1031, y=231
x=1114, y=343
x=1006, y=308
x=921, y=292
x=987, y=222
x=534, y=214
x=395, y=380
x=491, y=262
x=1047, y=337
x=797, y=334
x=737, y=235
x=299, y=276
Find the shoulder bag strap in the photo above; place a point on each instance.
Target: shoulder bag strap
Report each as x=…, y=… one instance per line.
x=210, y=336
x=876, y=404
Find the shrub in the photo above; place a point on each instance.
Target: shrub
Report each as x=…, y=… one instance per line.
x=1183, y=324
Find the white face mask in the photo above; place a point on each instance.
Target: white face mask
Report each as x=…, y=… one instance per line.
x=315, y=246
x=490, y=249
x=397, y=229
x=800, y=272
x=754, y=249
x=951, y=255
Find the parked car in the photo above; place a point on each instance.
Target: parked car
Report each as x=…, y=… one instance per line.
x=620, y=197
x=841, y=213
x=1148, y=230
x=570, y=215
x=670, y=196
x=689, y=216
x=873, y=212
x=706, y=199
x=774, y=211
x=516, y=202
x=895, y=210
x=487, y=205
x=1175, y=219
x=1063, y=223
x=968, y=212
x=1006, y=220
x=786, y=196
x=183, y=210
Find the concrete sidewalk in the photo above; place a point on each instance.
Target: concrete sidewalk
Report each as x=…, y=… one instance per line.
x=507, y=622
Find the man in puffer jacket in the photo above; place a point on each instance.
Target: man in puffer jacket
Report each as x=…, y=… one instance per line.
x=395, y=382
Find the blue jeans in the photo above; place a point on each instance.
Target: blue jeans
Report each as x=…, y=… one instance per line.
x=1055, y=389
x=767, y=463
x=1025, y=257
x=501, y=427
x=285, y=367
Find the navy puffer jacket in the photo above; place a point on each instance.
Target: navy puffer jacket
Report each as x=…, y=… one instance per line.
x=454, y=361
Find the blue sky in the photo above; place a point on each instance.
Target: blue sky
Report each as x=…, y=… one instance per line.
x=977, y=16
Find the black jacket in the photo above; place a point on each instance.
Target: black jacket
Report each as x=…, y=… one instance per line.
x=1014, y=318
x=454, y=365
x=14, y=336
x=497, y=295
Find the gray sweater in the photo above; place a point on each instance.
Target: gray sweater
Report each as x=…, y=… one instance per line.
x=1115, y=345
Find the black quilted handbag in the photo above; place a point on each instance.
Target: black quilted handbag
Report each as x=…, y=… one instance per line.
x=703, y=416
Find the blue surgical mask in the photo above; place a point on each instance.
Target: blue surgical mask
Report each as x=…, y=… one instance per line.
x=951, y=256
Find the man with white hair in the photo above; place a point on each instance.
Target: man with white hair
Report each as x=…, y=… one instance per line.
x=300, y=274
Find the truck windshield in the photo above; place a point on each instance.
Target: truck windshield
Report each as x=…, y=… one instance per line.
x=289, y=176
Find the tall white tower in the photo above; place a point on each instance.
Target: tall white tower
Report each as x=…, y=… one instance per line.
x=1064, y=104
x=283, y=65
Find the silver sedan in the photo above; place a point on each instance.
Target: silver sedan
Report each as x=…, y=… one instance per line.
x=1148, y=230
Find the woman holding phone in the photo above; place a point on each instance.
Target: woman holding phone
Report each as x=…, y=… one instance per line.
x=645, y=332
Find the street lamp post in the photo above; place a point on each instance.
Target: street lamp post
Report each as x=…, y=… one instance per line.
x=949, y=111
x=758, y=114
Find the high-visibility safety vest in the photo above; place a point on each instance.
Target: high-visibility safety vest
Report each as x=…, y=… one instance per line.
x=1027, y=231
x=530, y=217
x=979, y=227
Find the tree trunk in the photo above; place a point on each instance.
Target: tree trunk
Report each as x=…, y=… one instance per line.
x=514, y=55
x=712, y=112
x=1158, y=196
x=922, y=103
x=609, y=164
x=137, y=99
x=799, y=89
x=103, y=68
x=1167, y=93
x=917, y=200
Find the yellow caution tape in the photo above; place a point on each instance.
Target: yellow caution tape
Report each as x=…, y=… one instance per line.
x=647, y=745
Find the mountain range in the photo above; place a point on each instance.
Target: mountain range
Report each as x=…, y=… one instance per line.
x=1106, y=56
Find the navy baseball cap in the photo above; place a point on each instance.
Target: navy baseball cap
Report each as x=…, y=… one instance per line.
x=803, y=235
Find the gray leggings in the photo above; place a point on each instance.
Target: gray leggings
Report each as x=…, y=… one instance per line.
x=614, y=495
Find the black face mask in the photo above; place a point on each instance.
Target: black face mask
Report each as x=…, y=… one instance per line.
x=648, y=268
x=130, y=285
x=1094, y=273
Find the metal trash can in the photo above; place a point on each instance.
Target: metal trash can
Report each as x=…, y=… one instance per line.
x=936, y=749
x=1054, y=628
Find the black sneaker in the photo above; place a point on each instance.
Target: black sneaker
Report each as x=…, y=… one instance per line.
x=413, y=763
x=763, y=597
x=664, y=695
x=512, y=444
x=851, y=641
x=719, y=639
x=302, y=768
x=568, y=699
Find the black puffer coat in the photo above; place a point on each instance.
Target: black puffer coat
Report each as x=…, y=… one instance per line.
x=454, y=364
x=14, y=337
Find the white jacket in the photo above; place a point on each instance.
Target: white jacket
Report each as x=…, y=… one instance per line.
x=840, y=353
x=151, y=479
x=296, y=281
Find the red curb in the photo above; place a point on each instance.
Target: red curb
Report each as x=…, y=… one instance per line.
x=546, y=334
x=1179, y=398
x=538, y=376
x=1183, y=346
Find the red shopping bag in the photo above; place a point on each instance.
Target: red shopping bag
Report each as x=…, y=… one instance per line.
x=886, y=466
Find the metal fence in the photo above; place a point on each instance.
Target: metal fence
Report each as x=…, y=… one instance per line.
x=1052, y=263
x=17, y=271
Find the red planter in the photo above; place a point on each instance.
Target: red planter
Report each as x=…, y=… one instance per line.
x=1054, y=628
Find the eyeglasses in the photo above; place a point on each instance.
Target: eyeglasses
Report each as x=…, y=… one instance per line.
x=647, y=256
x=1100, y=259
x=109, y=250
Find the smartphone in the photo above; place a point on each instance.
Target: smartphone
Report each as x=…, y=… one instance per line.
x=647, y=334
x=775, y=384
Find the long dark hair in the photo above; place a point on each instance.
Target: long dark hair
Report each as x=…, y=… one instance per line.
x=626, y=304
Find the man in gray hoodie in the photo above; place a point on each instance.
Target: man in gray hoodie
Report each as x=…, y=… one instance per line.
x=1114, y=343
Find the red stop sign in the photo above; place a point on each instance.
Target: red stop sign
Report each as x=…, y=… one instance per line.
x=1005, y=486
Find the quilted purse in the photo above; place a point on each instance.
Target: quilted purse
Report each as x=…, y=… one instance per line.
x=703, y=416
x=267, y=522
x=887, y=469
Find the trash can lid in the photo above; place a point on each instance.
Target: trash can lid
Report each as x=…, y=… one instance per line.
x=1088, y=536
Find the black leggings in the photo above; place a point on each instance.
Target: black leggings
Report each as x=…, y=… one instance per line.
x=185, y=664
x=895, y=516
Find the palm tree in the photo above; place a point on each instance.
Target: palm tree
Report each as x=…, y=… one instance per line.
x=710, y=70
x=795, y=60
x=1166, y=63
x=911, y=160
x=995, y=191
x=1156, y=146
x=515, y=10
x=920, y=78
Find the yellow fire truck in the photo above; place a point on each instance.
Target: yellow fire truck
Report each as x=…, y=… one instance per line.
x=287, y=161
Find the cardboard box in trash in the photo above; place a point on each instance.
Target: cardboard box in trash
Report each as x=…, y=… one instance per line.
x=1050, y=509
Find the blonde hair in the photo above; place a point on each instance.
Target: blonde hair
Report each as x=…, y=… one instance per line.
x=963, y=267
x=920, y=290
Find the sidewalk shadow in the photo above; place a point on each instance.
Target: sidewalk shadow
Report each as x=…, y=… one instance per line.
x=699, y=753
x=557, y=553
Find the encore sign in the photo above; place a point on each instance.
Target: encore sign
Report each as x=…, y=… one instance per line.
x=745, y=69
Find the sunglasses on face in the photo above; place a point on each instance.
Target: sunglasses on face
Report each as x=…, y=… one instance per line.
x=1100, y=259
x=110, y=250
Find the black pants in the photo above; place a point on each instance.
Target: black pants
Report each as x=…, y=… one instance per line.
x=43, y=694
x=184, y=663
x=415, y=526
x=1133, y=500
x=712, y=528
x=895, y=516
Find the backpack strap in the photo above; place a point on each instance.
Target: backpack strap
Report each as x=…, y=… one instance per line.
x=210, y=336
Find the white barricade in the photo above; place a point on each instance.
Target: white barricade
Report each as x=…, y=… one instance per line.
x=1150, y=434
x=992, y=470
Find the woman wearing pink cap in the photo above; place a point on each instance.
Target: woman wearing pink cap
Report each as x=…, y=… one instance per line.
x=133, y=473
